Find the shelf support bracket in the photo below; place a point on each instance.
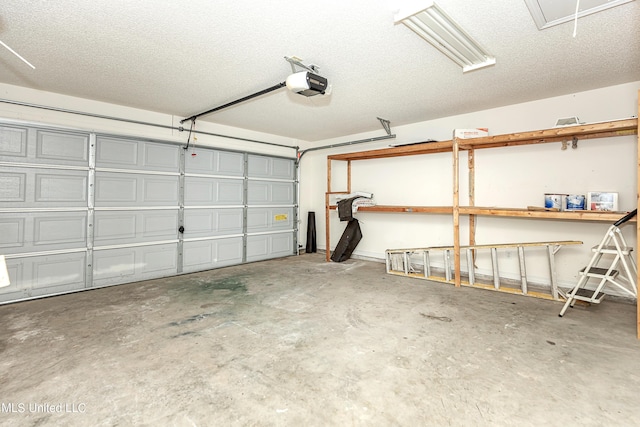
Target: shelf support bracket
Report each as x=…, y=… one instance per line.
x=386, y=124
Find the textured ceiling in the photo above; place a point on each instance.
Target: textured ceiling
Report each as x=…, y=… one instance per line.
x=184, y=57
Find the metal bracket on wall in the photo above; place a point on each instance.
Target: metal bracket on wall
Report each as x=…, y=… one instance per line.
x=386, y=124
x=574, y=144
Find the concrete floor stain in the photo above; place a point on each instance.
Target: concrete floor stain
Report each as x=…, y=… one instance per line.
x=196, y=318
x=440, y=318
x=232, y=284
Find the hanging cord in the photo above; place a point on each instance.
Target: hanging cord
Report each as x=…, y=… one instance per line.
x=575, y=20
x=193, y=122
x=17, y=54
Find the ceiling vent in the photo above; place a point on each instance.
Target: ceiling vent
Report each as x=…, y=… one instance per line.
x=547, y=13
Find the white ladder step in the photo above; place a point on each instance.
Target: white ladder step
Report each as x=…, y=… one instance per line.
x=589, y=296
x=601, y=273
x=612, y=250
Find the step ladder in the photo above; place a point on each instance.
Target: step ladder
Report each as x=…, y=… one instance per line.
x=417, y=263
x=612, y=264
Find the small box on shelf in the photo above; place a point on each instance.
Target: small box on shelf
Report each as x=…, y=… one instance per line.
x=574, y=202
x=602, y=201
x=470, y=133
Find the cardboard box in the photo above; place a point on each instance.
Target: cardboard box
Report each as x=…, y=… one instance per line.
x=470, y=133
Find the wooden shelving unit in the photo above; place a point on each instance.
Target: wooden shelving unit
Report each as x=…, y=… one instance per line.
x=572, y=133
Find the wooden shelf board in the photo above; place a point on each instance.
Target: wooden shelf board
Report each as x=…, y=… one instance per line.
x=406, y=209
x=581, y=132
x=498, y=211
x=404, y=150
x=587, y=131
x=524, y=213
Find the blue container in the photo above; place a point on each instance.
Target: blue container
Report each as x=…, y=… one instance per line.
x=553, y=201
x=575, y=202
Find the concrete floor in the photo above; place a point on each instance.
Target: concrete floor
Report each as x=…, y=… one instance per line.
x=299, y=342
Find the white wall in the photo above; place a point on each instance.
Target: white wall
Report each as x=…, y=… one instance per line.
x=509, y=177
x=35, y=115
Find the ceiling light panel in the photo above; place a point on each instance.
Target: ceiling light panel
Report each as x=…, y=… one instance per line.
x=547, y=13
x=430, y=22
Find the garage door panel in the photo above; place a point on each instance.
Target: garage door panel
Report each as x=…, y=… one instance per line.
x=267, y=246
x=44, y=275
x=25, y=232
x=201, y=191
x=124, y=265
x=13, y=143
x=116, y=264
x=159, y=190
x=24, y=145
x=270, y=192
x=63, y=148
x=13, y=187
x=214, y=162
x=228, y=251
x=156, y=259
x=207, y=254
x=126, y=227
x=229, y=192
x=198, y=256
x=122, y=189
x=270, y=167
x=281, y=244
x=29, y=188
x=282, y=192
x=12, y=233
x=115, y=153
x=212, y=222
x=114, y=190
x=114, y=227
x=269, y=219
x=65, y=271
x=229, y=221
x=230, y=163
x=60, y=230
x=257, y=247
x=160, y=157
x=17, y=288
x=61, y=188
x=161, y=225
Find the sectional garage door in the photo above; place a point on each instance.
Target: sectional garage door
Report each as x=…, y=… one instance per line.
x=80, y=210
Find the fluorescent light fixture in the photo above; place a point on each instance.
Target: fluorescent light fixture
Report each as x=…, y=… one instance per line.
x=431, y=23
x=547, y=13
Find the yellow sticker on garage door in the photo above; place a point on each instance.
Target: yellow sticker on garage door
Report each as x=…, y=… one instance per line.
x=281, y=217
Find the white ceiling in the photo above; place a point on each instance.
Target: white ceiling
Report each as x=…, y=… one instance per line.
x=185, y=57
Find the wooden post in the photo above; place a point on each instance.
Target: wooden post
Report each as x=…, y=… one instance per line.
x=328, y=175
x=471, y=165
x=327, y=217
x=349, y=176
x=456, y=213
x=638, y=221
x=327, y=228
